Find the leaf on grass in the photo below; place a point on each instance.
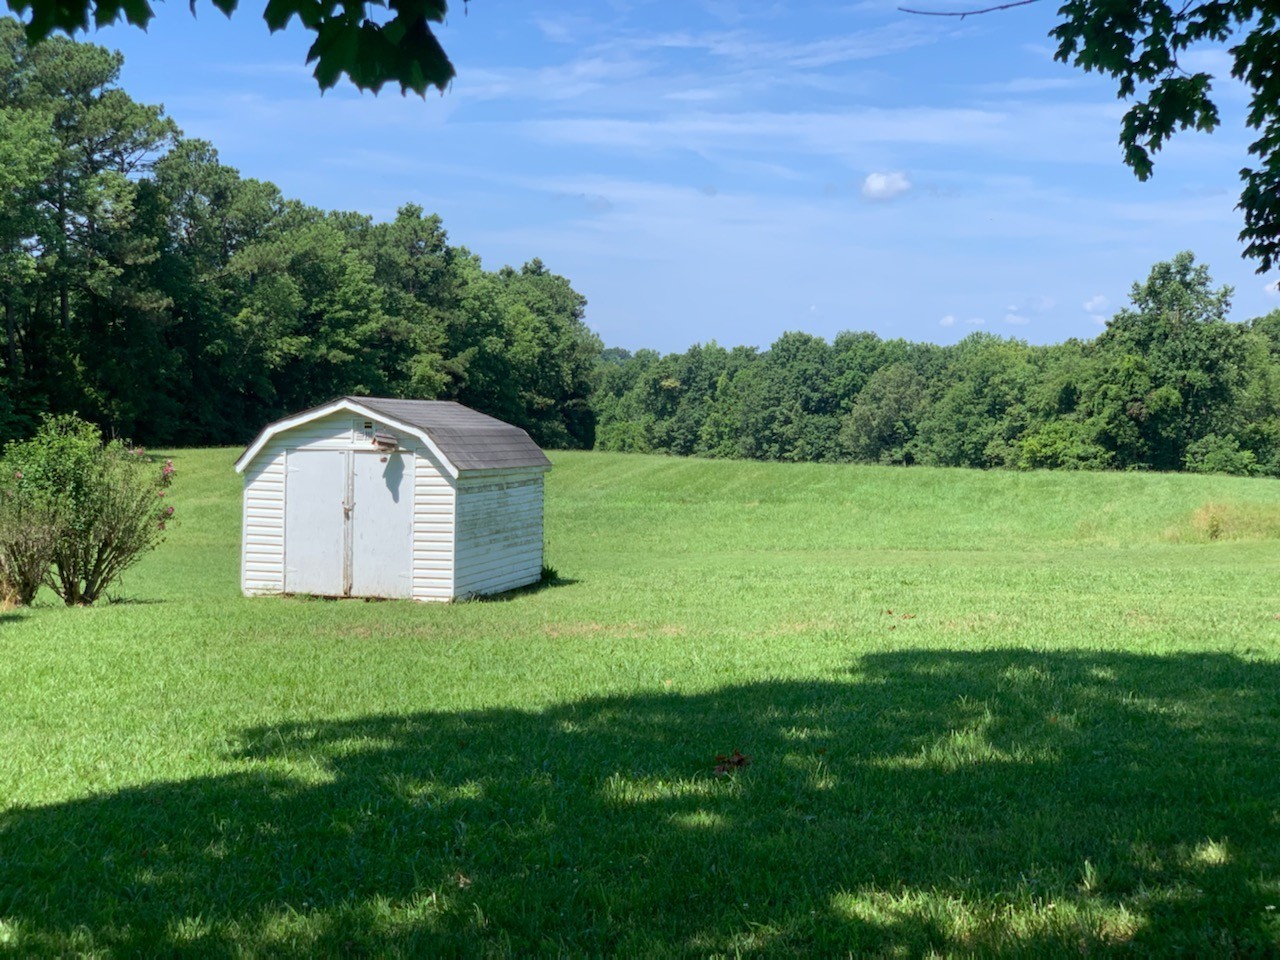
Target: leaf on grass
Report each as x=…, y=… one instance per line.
x=735, y=761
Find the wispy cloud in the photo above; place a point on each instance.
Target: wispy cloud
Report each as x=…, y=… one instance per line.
x=1032, y=85
x=1006, y=132
x=736, y=12
x=558, y=29
x=561, y=83
x=836, y=133
x=267, y=69
x=751, y=47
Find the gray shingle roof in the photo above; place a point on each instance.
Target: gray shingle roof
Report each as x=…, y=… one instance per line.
x=470, y=439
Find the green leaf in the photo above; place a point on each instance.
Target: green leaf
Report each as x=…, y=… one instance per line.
x=278, y=13
x=334, y=51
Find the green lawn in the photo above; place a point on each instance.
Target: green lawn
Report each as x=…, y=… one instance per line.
x=988, y=713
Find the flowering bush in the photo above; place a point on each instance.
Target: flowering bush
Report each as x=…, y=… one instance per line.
x=102, y=505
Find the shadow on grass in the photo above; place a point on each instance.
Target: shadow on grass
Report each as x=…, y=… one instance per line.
x=546, y=583
x=504, y=597
x=994, y=802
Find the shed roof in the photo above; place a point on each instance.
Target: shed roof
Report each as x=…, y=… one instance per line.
x=468, y=439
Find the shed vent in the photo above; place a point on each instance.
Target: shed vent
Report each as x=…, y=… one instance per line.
x=362, y=431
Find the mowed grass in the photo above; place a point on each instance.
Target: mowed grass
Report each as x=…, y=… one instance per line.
x=986, y=714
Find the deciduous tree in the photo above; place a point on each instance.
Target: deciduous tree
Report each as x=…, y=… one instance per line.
x=374, y=42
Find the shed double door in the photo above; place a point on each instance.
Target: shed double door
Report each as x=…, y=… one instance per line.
x=348, y=526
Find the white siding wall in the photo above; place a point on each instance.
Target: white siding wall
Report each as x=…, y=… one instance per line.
x=433, y=512
x=262, y=552
x=499, y=532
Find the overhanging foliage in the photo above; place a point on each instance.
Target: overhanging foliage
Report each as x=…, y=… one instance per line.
x=374, y=42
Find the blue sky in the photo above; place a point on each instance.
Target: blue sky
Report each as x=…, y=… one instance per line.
x=729, y=170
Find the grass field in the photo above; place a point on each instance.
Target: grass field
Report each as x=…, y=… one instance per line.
x=987, y=714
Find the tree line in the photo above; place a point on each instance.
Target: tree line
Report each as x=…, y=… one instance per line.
x=1169, y=384
x=149, y=287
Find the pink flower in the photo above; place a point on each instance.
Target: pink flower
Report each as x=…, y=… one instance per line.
x=17, y=474
x=168, y=511
x=159, y=493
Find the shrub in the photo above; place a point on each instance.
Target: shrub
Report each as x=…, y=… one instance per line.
x=1215, y=454
x=26, y=541
x=1062, y=445
x=104, y=503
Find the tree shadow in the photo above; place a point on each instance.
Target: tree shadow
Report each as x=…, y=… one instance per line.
x=995, y=802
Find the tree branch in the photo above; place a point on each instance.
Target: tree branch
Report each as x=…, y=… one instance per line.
x=967, y=13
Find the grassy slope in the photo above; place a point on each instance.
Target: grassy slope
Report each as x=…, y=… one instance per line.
x=1062, y=736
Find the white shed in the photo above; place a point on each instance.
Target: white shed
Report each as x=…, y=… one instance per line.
x=367, y=497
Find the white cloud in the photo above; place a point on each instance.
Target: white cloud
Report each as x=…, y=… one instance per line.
x=948, y=321
x=976, y=322
x=1273, y=288
x=1097, y=307
x=885, y=186
x=1219, y=63
x=1018, y=314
